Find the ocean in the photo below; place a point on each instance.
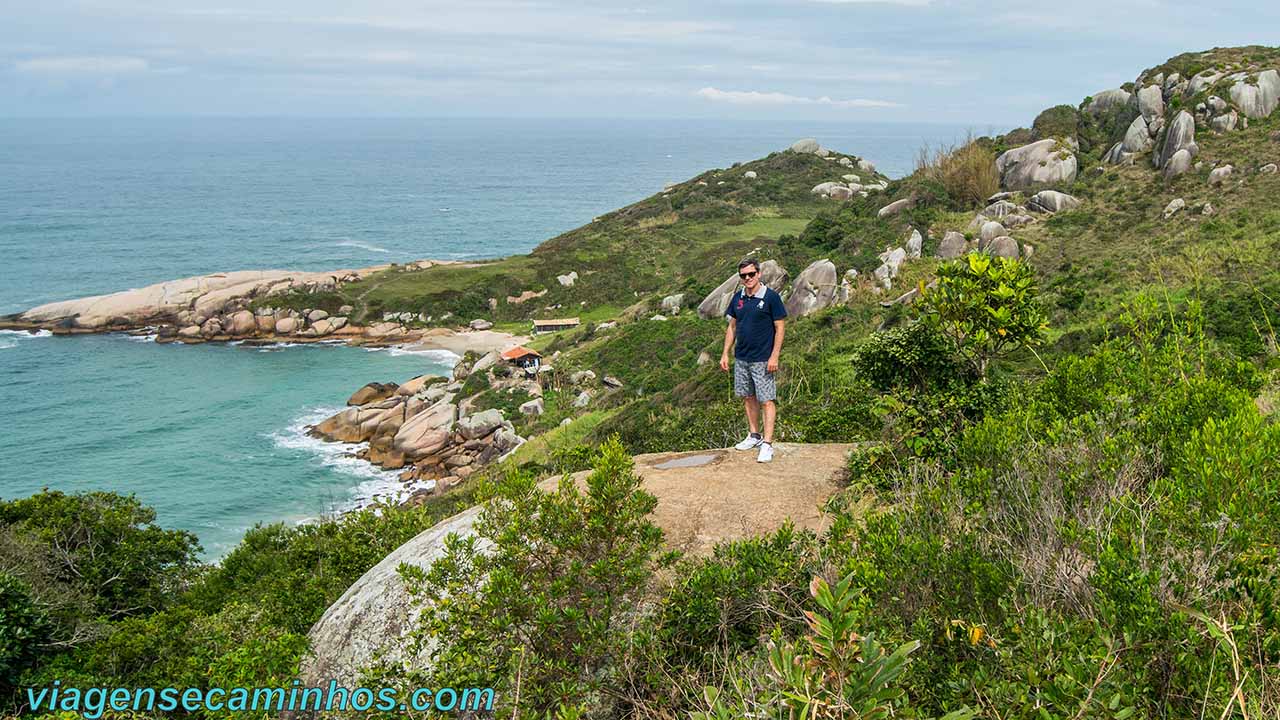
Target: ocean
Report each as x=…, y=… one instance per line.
x=212, y=436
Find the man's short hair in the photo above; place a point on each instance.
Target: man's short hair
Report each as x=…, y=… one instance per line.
x=750, y=261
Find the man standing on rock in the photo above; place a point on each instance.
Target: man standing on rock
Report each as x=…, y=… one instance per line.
x=756, y=323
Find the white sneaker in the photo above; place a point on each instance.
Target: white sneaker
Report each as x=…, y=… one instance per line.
x=749, y=442
x=766, y=452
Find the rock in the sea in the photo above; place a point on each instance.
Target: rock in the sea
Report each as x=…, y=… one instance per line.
x=814, y=289
x=1257, y=100
x=671, y=304
x=428, y=431
x=1173, y=207
x=896, y=207
x=416, y=385
x=480, y=424
x=952, y=245
x=372, y=392
x=1052, y=201
x=241, y=322
x=190, y=331
x=316, y=315
x=715, y=303
x=569, y=279
x=286, y=326
x=1046, y=162
x=1220, y=175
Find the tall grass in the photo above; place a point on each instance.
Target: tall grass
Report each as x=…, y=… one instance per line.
x=967, y=171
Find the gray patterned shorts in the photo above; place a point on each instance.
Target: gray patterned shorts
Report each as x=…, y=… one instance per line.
x=752, y=379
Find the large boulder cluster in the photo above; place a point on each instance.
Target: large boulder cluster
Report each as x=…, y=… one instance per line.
x=858, y=178
x=1252, y=94
x=423, y=428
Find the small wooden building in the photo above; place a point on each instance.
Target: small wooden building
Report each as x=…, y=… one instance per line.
x=523, y=357
x=546, y=326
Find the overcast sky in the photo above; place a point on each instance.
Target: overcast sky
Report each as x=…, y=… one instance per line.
x=954, y=61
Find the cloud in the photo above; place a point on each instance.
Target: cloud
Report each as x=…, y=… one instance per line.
x=907, y=3
x=755, y=97
x=82, y=65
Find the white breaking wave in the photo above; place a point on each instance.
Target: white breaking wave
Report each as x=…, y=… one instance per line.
x=363, y=246
x=443, y=357
x=19, y=334
x=374, y=482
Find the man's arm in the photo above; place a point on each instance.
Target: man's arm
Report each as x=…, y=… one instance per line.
x=779, y=329
x=728, y=342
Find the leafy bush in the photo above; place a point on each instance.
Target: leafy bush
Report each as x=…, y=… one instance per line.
x=987, y=307
x=109, y=546
x=832, y=673
x=540, y=595
x=1059, y=121
x=23, y=628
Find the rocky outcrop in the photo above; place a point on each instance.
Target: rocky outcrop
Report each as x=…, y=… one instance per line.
x=1257, y=99
x=671, y=304
x=1107, y=101
x=568, y=279
x=1052, y=201
x=715, y=303
x=704, y=498
x=952, y=245
x=896, y=207
x=814, y=289
x=1180, y=137
x=1044, y=163
x=421, y=427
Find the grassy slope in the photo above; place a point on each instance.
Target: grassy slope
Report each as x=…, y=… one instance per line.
x=1091, y=261
x=661, y=245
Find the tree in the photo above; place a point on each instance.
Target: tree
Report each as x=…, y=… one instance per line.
x=108, y=546
x=987, y=306
x=536, y=602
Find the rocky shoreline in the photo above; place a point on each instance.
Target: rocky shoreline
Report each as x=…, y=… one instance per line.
x=425, y=428
x=219, y=308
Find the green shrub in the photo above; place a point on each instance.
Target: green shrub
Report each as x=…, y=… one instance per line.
x=986, y=306
x=548, y=601
x=24, y=628
x=109, y=546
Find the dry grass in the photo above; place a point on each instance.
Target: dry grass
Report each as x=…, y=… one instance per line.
x=967, y=171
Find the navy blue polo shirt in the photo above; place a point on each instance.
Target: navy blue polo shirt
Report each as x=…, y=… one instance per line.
x=755, y=315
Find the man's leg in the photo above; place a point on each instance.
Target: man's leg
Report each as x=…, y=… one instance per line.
x=770, y=412
x=753, y=414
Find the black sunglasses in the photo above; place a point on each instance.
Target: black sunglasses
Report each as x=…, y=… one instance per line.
x=745, y=276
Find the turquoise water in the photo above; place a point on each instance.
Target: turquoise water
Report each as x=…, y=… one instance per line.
x=211, y=436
